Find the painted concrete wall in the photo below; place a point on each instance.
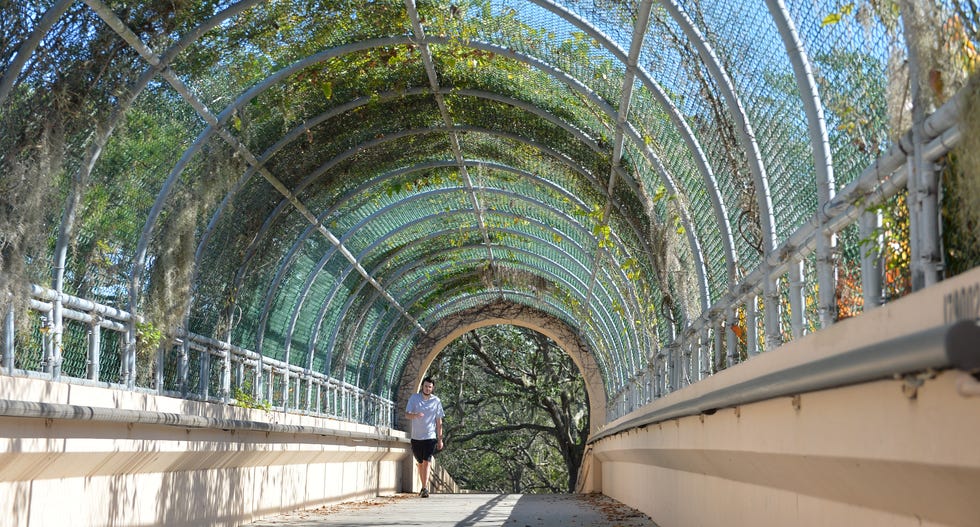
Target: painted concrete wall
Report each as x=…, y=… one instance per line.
x=81, y=471
x=894, y=452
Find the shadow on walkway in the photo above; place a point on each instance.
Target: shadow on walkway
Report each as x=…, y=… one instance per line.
x=470, y=510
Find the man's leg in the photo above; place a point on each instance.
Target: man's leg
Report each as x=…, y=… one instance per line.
x=424, y=474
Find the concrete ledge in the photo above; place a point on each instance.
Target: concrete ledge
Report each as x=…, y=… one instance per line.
x=895, y=448
x=869, y=454
x=905, y=336
x=83, y=455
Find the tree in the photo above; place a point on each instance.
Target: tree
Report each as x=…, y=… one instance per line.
x=516, y=412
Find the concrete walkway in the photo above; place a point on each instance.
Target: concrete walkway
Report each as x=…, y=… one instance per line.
x=470, y=510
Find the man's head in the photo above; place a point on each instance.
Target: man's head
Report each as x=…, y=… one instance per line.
x=428, y=385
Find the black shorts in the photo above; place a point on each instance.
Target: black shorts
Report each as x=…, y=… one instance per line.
x=423, y=449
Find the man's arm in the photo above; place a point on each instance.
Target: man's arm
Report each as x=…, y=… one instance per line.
x=409, y=414
x=439, y=433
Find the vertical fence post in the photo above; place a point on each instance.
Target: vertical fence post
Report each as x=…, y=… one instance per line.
x=752, y=325
x=94, y=348
x=47, y=348
x=648, y=383
x=718, y=350
x=204, y=375
x=704, y=354
x=8, y=340
x=270, y=387
x=287, y=384
x=258, y=387
x=56, y=336
x=239, y=375
x=871, y=262
x=299, y=387
x=773, y=333
x=658, y=374
x=310, y=386
x=183, y=366
x=796, y=302
x=161, y=365
x=731, y=340
x=128, y=362
x=923, y=196
x=226, y=374
x=685, y=369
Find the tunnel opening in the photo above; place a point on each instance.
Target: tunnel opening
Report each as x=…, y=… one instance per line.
x=517, y=411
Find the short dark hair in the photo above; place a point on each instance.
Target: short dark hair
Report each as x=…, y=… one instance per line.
x=428, y=379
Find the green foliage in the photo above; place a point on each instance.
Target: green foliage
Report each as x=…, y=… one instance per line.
x=148, y=337
x=516, y=412
x=247, y=400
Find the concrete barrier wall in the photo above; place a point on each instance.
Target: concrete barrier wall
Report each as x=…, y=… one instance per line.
x=898, y=451
x=110, y=457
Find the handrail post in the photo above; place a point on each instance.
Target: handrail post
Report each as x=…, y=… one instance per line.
x=94, y=347
x=7, y=350
x=871, y=262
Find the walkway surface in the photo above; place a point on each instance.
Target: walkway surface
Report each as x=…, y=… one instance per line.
x=470, y=510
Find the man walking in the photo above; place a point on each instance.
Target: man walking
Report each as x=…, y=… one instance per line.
x=425, y=411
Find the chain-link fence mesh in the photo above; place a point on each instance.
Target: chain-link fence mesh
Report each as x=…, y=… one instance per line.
x=282, y=153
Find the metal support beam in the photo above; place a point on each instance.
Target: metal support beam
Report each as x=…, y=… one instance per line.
x=430, y=70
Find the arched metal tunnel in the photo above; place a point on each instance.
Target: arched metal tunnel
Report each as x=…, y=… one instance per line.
x=298, y=203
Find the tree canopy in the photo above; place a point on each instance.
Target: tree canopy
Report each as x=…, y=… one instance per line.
x=516, y=412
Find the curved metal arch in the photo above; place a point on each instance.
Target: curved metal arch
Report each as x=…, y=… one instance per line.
x=520, y=172
x=746, y=134
x=555, y=312
x=347, y=306
x=588, y=141
x=609, y=362
x=401, y=203
x=310, y=60
x=579, y=291
x=746, y=137
x=375, y=356
x=819, y=144
x=527, y=175
x=569, y=220
x=250, y=251
x=557, y=307
x=27, y=47
x=683, y=129
x=412, y=266
x=547, y=68
x=628, y=300
x=610, y=331
x=267, y=225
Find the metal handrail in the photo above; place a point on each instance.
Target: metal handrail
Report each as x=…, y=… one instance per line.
x=344, y=400
x=946, y=346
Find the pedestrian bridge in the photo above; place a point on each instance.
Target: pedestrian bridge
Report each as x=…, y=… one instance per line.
x=235, y=234
x=870, y=422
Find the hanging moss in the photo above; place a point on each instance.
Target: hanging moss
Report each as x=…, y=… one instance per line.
x=28, y=187
x=961, y=190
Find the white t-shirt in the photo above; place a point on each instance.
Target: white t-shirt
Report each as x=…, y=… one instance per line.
x=424, y=427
